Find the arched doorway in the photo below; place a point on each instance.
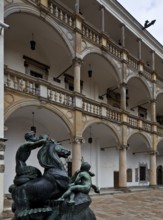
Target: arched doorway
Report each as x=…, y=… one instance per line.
x=160, y=163
x=100, y=149
x=159, y=175
x=138, y=160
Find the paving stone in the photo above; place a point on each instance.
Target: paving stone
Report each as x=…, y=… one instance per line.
x=136, y=205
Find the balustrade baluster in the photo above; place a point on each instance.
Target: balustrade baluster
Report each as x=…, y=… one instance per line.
x=91, y=108
x=51, y=8
x=83, y=30
x=86, y=106
x=70, y=21
x=8, y=80
x=94, y=37
x=27, y=87
x=60, y=98
x=97, y=40
x=33, y=88
x=90, y=35
x=56, y=12
x=51, y=94
x=66, y=18
x=61, y=14
x=87, y=32
x=21, y=84
x=65, y=99
x=55, y=96
x=15, y=83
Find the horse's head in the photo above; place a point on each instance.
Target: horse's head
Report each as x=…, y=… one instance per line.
x=61, y=151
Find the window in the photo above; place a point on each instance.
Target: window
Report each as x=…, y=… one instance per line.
x=69, y=82
x=35, y=68
x=35, y=74
x=142, y=112
x=129, y=175
x=143, y=172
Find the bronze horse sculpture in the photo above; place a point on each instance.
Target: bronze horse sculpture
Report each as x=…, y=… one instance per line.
x=37, y=196
x=34, y=193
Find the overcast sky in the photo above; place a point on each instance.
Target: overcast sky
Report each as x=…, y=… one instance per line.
x=149, y=10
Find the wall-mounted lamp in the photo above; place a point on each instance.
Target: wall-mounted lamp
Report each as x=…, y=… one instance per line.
x=90, y=71
x=33, y=128
x=119, y=43
x=102, y=96
x=33, y=43
x=90, y=139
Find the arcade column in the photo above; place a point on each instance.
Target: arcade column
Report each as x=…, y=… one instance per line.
x=76, y=153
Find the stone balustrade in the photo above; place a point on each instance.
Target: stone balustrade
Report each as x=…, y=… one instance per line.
x=39, y=88
x=61, y=13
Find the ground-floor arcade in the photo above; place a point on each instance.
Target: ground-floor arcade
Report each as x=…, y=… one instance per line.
x=97, y=142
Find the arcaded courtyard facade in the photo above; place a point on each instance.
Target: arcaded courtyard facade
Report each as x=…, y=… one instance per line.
x=90, y=77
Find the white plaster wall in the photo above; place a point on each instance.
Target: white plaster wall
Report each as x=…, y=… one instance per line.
x=103, y=163
x=14, y=59
x=133, y=163
x=159, y=160
x=109, y=162
x=91, y=89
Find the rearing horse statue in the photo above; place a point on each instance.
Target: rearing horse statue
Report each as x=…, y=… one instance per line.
x=35, y=193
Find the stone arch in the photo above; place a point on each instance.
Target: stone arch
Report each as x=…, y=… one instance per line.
x=159, y=141
x=143, y=134
x=158, y=92
x=106, y=56
x=110, y=125
x=143, y=82
x=29, y=9
x=31, y=102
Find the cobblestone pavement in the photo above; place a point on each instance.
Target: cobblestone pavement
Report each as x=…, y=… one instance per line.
x=140, y=205
x=135, y=205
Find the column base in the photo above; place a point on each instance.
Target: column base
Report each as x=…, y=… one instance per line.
x=124, y=189
x=153, y=186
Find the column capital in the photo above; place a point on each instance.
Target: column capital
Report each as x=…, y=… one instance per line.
x=153, y=152
x=122, y=25
x=77, y=60
x=78, y=140
x=139, y=39
x=123, y=147
x=102, y=7
x=123, y=84
x=153, y=101
x=153, y=51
